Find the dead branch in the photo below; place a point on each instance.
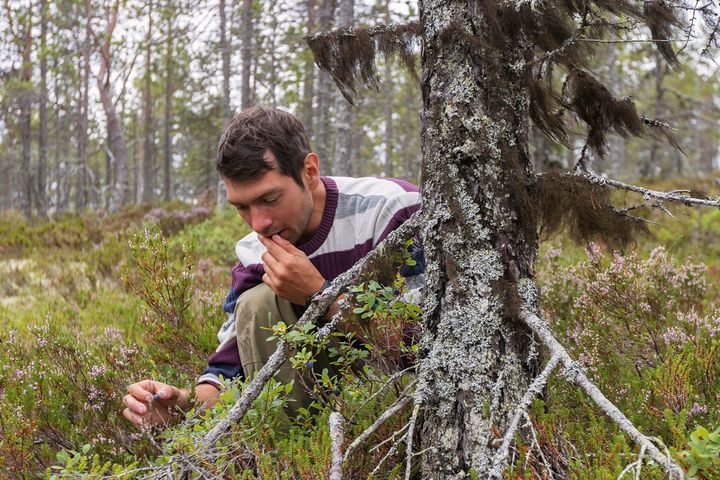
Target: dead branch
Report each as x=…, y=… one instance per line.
x=575, y=374
x=389, y=413
x=679, y=197
x=411, y=431
x=536, y=387
x=336, y=423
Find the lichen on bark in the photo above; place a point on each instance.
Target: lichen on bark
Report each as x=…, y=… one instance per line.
x=476, y=358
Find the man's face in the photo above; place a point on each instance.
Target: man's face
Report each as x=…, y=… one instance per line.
x=273, y=203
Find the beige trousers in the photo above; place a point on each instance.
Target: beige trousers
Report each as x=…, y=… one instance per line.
x=256, y=311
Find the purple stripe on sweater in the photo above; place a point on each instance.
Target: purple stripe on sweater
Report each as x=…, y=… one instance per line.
x=244, y=278
x=399, y=218
x=407, y=186
x=227, y=354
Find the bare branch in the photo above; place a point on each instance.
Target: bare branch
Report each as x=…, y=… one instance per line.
x=678, y=197
x=411, y=430
x=575, y=374
x=389, y=413
x=337, y=436
x=316, y=309
x=536, y=387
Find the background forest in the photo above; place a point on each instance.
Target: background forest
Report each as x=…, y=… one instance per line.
x=113, y=250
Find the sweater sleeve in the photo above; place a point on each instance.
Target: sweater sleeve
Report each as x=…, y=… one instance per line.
x=225, y=362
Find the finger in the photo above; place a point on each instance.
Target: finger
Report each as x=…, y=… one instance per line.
x=134, y=405
x=142, y=391
x=269, y=260
x=136, y=420
x=286, y=245
x=268, y=281
x=275, y=250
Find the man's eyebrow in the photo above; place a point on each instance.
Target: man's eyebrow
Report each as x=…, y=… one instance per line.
x=271, y=192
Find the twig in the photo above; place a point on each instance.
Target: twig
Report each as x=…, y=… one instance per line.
x=390, y=453
x=500, y=460
x=390, y=438
x=394, y=408
x=411, y=428
x=548, y=468
x=648, y=193
x=337, y=436
x=575, y=374
x=392, y=378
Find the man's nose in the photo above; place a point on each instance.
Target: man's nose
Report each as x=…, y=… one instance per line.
x=260, y=221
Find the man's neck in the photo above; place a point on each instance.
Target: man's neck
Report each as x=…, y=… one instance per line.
x=319, y=195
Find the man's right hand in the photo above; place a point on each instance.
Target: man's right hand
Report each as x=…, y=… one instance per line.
x=150, y=403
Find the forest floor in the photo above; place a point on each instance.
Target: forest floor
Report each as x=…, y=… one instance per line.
x=89, y=304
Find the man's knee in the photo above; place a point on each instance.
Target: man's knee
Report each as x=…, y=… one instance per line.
x=255, y=309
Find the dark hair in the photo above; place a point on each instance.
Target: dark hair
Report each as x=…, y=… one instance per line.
x=254, y=131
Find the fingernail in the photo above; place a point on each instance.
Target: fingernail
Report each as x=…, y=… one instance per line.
x=142, y=409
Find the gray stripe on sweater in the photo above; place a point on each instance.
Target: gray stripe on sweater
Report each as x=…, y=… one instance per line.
x=349, y=205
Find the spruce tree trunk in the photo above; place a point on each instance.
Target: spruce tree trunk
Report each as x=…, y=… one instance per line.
x=246, y=52
x=478, y=237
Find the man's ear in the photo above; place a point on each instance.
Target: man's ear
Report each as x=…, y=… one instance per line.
x=311, y=169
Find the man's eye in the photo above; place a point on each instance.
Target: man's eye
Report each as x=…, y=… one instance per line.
x=272, y=200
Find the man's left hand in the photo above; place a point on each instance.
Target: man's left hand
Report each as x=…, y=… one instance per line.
x=288, y=271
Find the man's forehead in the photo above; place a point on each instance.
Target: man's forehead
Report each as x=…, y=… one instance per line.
x=267, y=184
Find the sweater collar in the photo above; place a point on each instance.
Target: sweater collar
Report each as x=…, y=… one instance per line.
x=331, y=201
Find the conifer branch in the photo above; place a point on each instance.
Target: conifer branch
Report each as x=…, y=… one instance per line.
x=574, y=373
x=387, y=414
x=678, y=196
x=536, y=387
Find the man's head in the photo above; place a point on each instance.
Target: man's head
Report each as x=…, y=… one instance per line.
x=272, y=178
x=251, y=134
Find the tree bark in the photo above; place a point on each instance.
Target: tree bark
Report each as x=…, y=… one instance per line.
x=116, y=140
x=169, y=90
x=322, y=138
x=246, y=52
x=388, y=105
x=42, y=115
x=309, y=77
x=147, y=159
x=25, y=179
x=82, y=187
x=227, y=112
x=342, y=163
x=477, y=236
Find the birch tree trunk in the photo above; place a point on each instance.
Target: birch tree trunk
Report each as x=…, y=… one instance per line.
x=83, y=123
x=475, y=363
x=167, y=123
x=343, y=119
x=26, y=119
x=388, y=91
x=309, y=76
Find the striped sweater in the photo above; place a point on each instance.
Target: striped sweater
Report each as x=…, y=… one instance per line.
x=359, y=213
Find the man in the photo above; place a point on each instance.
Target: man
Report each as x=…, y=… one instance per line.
x=307, y=230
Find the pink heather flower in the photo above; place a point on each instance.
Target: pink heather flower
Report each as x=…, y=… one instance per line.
x=674, y=336
x=96, y=371
x=618, y=263
x=593, y=252
x=697, y=409
x=19, y=374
